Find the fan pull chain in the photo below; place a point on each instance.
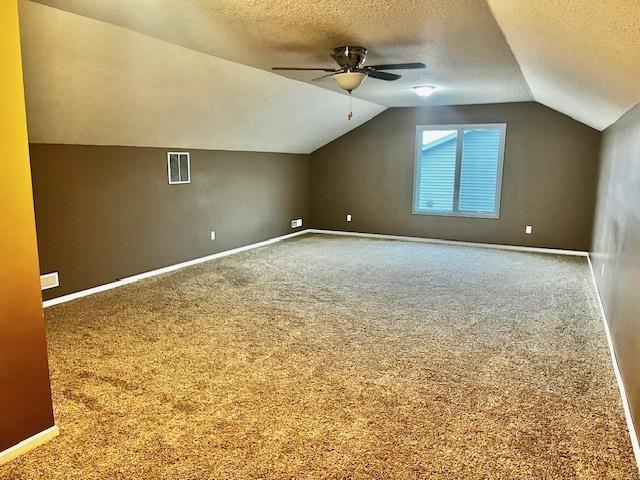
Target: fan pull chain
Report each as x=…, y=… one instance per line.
x=350, y=116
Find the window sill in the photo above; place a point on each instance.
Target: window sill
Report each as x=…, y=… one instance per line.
x=489, y=216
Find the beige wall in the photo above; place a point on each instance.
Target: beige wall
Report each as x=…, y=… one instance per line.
x=616, y=246
x=549, y=181
x=25, y=397
x=105, y=213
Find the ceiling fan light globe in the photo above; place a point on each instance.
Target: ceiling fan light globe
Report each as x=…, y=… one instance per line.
x=349, y=80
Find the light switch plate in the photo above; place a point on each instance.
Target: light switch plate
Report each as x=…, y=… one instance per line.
x=528, y=229
x=348, y=217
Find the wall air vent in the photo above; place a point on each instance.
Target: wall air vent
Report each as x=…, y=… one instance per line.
x=49, y=280
x=178, y=167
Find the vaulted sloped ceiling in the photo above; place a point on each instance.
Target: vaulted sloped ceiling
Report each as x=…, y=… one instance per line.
x=196, y=73
x=580, y=57
x=459, y=40
x=91, y=82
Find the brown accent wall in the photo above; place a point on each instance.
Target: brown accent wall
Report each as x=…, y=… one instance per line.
x=616, y=247
x=549, y=181
x=104, y=213
x=25, y=396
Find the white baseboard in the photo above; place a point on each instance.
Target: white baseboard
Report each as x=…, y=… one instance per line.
x=170, y=268
x=616, y=370
x=30, y=443
x=177, y=266
x=555, y=251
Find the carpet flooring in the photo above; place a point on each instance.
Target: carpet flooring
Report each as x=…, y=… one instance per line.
x=338, y=358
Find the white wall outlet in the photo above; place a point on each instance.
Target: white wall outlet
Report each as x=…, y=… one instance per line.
x=296, y=223
x=213, y=235
x=49, y=280
x=348, y=217
x=528, y=229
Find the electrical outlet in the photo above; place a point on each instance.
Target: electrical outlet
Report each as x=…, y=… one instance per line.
x=528, y=229
x=213, y=235
x=348, y=217
x=49, y=280
x=297, y=223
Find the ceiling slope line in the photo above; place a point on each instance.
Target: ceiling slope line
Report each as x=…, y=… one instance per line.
x=515, y=58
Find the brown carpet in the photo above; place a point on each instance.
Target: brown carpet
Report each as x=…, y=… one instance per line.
x=325, y=357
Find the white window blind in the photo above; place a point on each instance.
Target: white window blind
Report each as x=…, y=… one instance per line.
x=458, y=170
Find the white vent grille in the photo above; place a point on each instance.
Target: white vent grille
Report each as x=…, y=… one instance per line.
x=178, y=167
x=49, y=280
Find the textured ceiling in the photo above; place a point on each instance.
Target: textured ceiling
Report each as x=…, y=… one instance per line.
x=580, y=57
x=90, y=82
x=460, y=41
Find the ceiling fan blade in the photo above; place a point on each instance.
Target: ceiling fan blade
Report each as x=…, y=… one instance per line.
x=398, y=66
x=305, y=68
x=381, y=75
x=326, y=76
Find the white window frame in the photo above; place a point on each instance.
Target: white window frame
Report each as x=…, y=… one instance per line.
x=459, y=127
x=169, y=167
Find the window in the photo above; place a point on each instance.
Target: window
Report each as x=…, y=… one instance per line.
x=178, y=167
x=458, y=170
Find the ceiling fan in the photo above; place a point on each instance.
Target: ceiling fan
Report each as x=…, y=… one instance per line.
x=352, y=70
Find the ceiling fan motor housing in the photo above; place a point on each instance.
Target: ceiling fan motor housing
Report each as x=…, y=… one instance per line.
x=350, y=57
